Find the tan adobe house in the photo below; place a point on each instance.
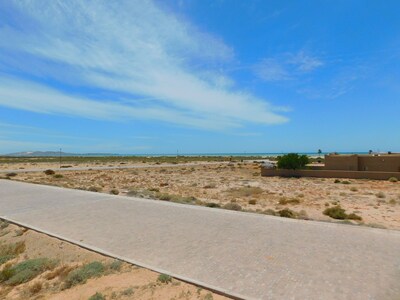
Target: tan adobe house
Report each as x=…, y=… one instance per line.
x=365, y=162
x=356, y=166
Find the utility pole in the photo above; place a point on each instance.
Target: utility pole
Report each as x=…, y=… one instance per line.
x=60, y=158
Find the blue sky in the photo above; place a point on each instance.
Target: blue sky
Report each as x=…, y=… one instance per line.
x=199, y=76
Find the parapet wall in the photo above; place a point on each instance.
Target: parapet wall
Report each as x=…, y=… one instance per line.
x=330, y=174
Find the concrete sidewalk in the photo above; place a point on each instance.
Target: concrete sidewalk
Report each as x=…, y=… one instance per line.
x=242, y=254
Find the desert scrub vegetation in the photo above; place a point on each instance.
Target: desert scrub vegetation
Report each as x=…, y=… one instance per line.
x=26, y=270
x=11, y=251
x=60, y=272
x=4, y=224
x=246, y=191
x=164, y=278
x=94, y=189
x=155, y=194
x=49, y=172
x=287, y=213
x=82, y=274
x=380, y=195
x=232, y=206
x=35, y=288
x=116, y=265
x=393, y=179
x=337, y=212
x=212, y=204
x=285, y=201
x=114, y=192
x=97, y=296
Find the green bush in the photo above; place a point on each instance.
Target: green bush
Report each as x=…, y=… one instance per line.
x=292, y=161
x=335, y=212
x=29, y=269
x=8, y=252
x=164, y=278
x=97, y=296
x=58, y=176
x=82, y=274
x=393, y=179
x=116, y=265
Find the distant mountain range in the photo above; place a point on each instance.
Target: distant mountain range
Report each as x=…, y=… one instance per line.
x=54, y=153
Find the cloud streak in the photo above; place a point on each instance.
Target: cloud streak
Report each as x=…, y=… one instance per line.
x=132, y=50
x=287, y=66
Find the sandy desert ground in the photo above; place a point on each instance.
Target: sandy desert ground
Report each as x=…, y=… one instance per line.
x=239, y=186
x=36, y=266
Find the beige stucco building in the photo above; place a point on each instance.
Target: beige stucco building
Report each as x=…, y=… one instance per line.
x=367, y=162
x=366, y=166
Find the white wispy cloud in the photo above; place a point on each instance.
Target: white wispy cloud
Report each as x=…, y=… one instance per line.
x=304, y=62
x=270, y=69
x=147, y=57
x=287, y=66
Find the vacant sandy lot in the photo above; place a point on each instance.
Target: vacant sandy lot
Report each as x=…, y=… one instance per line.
x=48, y=268
x=239, y=186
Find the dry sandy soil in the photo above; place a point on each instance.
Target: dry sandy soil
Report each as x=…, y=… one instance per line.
x=55, y=267
x=239, y=186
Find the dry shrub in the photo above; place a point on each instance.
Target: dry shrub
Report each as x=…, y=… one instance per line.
x=245, y=191
x=60, y=272
x=232, y=206
x=36, y=287
x=49, y=172
x=284, y=201
x=287, y=213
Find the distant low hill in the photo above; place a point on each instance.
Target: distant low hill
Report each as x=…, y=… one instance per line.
x=54, y=153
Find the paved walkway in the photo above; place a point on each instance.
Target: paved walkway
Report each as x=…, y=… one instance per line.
x=248, y=255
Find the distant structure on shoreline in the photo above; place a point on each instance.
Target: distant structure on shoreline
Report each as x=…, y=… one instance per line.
x=381, y=166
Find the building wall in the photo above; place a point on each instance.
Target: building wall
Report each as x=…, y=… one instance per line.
x=381, y=163
x=341, y=162
x=330, y=174
x=387, y=163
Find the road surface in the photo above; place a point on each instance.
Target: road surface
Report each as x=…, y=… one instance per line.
x=245, y=255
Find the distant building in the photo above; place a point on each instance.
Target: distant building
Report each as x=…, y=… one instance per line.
x=367, y=162
x=365, y=166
